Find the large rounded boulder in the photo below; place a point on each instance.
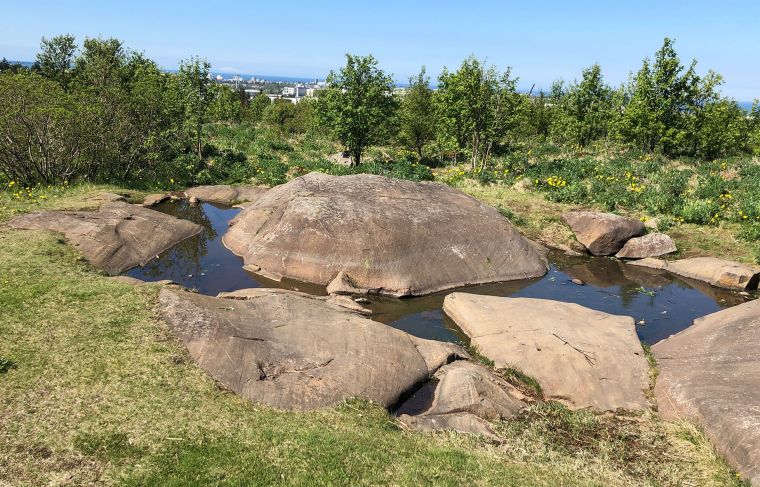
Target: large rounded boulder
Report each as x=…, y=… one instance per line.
x=371, y=234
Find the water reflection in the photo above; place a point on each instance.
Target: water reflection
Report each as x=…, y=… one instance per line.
x=662, y=303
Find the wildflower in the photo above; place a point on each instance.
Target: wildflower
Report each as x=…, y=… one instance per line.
x=10, y=184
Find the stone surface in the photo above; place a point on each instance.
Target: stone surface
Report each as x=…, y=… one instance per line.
x=380, y=235
x=649, y=245
x=106, y=198
x=154, y=199
x=465, y=397
x=710, y=373
x=296, y=353
x=718, y=272
x=139, y=282
x=581, y=357
x=342, y=159
x=343, y=302
x=225, y=194
x=117, y=237
x=602, y=233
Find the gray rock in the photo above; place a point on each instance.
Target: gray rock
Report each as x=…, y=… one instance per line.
x=580, y=357
x=717, y=272
x=156, y=198
x=465, y=397
x=602, y=233
x=343, y=302
x=115, y=238
x=224, y=194
x=380, y=235
x=297, y=353
x=650, y=245
x=710, y=373
x=341, y=159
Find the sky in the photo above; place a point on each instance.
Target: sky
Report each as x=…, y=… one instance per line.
x=540, y=41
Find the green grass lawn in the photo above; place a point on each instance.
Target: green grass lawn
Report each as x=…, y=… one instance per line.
x=95, y=391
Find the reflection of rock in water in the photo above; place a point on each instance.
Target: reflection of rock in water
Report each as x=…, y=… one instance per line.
x=388, y=310
x=599, y=272
x=649, y=278
x=183, y=259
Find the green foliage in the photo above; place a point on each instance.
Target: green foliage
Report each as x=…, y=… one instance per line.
x=584, y=110
x=358, y=105
x=225, y=104
x=56, y=58
x=195, y=91
x=476, y=108
x=290, y=118
x=416, y=116
x=525, y=383
x=254, y=112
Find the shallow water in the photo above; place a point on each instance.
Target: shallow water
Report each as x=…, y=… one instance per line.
x=662, y=303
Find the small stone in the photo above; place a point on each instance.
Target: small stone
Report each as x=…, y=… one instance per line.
x=361, y=300
x=578, y=282
x=641, y=322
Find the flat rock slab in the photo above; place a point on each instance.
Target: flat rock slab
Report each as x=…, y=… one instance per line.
x=602, y=233
x=650, y=245
x=155, y=198
x=343, y=302
x=296, y=353
x=580, y=357
x=115, y=238
x=465, y=397
x=379, y=235
x=718, y=272
x=226, y=195
x=710, y=373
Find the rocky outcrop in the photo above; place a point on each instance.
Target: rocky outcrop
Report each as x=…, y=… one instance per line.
x=602, y=233
x=156, y=198
x=462, y=396
x=380, y=235
x=297, y=353
x=720, y=273
x=709, y=374
x=650, y=245
x=580, y=357
x=117, y=237
x=335, y=300
x=225, y=194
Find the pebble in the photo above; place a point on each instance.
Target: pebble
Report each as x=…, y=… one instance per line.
x=578, y=282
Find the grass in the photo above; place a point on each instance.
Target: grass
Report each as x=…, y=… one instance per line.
x=98, y=392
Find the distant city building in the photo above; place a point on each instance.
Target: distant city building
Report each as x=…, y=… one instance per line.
x=219, y=77
x=294, y=91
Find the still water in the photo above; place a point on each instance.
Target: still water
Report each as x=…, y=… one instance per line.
x=662, y=304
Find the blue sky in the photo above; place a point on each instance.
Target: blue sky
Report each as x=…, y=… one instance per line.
x=541, y=41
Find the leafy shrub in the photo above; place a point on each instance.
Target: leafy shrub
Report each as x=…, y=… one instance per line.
x=700, y=211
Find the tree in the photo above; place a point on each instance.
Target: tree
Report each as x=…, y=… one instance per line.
x=475, y=107
x=42, y=131
x=195, y=89
x=417, y=122
x=661, y=96
x=255, y=110
x=584, y=109
x=358, y=104
x=225, y=104
x=56, y=57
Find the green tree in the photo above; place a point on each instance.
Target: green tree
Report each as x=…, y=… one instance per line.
x=42, y=130
x=226, y=105
x=358, y=105
x=753, y=128
x=417, y=114
x=255, y=109
x=196, y=93
x=584, y=109
x=56, y=58
x=661, y=95
x=476, y=107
